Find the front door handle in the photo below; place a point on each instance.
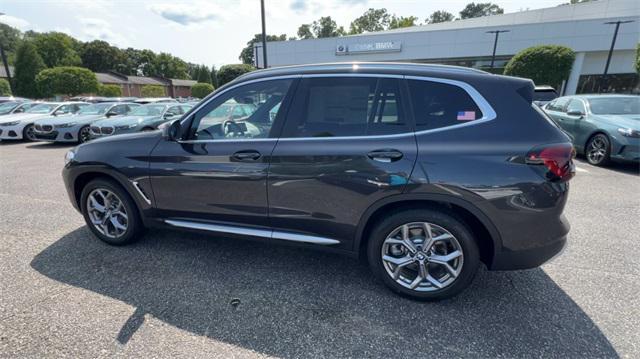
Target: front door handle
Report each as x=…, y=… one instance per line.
x=246, y=155
x=385, y=155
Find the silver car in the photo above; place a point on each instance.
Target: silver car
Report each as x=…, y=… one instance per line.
x=77, y=128
x=143, y=118
x=19, y=126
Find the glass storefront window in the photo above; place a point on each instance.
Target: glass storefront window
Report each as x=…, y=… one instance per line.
x=615, y=83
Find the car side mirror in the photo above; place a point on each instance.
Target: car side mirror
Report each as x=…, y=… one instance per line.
x=20, y=110
x=172, y=132
x=575, y=113
x=110, y=113
x=168, y=115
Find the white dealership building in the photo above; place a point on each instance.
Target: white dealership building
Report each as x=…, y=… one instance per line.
x=469, y=43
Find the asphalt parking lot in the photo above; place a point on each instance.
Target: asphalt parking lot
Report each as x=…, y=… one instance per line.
x=174, y=294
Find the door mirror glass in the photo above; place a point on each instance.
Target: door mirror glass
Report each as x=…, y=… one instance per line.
x=172, y=131
x=111, y=113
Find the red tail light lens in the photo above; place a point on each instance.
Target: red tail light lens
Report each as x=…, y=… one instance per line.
x=558, y=158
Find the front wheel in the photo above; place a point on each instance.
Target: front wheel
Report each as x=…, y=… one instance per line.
x=29, y=133
x=598, y=150
x=423, y=254
x=84, y=135
x=110, y=212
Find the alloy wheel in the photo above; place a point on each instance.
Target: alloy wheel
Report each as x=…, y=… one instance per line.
x=107, y=213
x=597, y=150
x=422, y=256
x=84, y=135
x=29, y=133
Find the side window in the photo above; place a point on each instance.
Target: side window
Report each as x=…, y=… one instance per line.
x=575, y=105
x=174, y=110
x=345, y=106
x=217, y=120
x=438, y=105
x=119, y=109
x=63, y=110
x=559, y=105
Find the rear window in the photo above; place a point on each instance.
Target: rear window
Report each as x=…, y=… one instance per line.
x=438, y=105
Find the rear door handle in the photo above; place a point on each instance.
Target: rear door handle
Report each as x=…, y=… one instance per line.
x=246, y=155
x=385, y=155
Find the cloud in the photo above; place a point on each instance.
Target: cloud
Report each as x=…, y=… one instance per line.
x=299, y=5
x=18, y=23
x=100, y=29
x=187, y=14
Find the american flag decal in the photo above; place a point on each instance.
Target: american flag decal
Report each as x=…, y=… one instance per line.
x=466, y=115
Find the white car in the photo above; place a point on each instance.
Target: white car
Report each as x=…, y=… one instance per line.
x=20, y=126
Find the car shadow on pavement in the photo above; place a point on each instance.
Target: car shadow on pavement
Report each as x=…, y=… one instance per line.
x=631, y=168
x=292, y=302
x=49, y=145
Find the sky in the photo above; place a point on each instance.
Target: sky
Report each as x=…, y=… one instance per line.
x=211, y=32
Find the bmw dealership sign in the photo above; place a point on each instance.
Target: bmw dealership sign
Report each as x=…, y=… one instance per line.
x=369, y=47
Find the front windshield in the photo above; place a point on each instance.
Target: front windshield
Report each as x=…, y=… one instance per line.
x=615, y=105
x=147, y=110
x=42, y=108
x=7, y=107
x=96, y=109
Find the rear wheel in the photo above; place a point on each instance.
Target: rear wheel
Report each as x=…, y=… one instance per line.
x=423, y=254
x=84, y=134
x=29, y=133
x=110, y=212
x=598, y=151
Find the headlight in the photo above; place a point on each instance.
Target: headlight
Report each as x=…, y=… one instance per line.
x=66, y=125
x=629, y=132
x=69, y=157
x=126, y=127
x=10, y=123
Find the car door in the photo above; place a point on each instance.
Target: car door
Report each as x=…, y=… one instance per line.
x=571, y=122
x=347, y=142
x=218, y=171
x=557, y=110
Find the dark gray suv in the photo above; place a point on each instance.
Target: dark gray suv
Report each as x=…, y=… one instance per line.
x=426, y=171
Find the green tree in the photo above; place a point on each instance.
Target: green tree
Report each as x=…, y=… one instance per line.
x=214, y=76
x=66, y=80
x=304, y=32
x=327, y=27
x=439, y=16
x=372, y=20
x=109, y=90
x=56, y=48
x=201, y=90
x=5, y=89
x=168, y=66
x=203, y=74
x=228, y=73
x=99, y=56
x=401, y=21
x=480, y=9
x=246, y=55
x=533, y=63
x=28, y=65
x=9, y=38
x=152, y=91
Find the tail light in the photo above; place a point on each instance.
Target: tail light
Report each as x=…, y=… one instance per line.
x=557, y=158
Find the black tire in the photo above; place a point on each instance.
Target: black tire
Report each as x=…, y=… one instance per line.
x=442, y=218
x=84, y=135
x=27, y=133
x=135, y=227
x=598, y=140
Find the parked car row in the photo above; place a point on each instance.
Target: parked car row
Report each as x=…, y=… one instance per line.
x=603, y=128
x=79, y=121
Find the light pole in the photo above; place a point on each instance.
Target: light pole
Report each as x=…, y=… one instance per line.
x=613, y=43
x=264, y=37
x=6, y=65
x=495, y=44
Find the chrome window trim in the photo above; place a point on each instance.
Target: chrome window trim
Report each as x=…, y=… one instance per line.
x=287, y=236
x=488, y=113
